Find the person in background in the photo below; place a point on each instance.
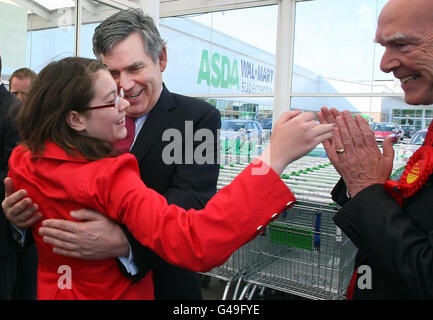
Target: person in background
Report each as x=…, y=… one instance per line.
x=67, y=159
x=129, y=44
x=390, y=222
x=20, y=82
x=9, y=104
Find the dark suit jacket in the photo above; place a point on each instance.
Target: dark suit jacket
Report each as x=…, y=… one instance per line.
x=187, y=185
x=396, y=242
x=9, y=138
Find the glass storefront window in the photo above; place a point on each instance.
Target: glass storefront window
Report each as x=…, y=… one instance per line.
x=334, y=50
x=40, y=31
x=51, y=32
x=408, y=112
x=92, y=17
x=344, y=103
x=223, y=53
x=36, y=32
x=229, y=56
x=13, y=32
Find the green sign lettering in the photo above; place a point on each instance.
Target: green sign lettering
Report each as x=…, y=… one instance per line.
x=224, y=72
x=204, y=72
x=216, y=77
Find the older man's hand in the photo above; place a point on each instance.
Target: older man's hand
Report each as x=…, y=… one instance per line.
x=354, y=152
x=18, y=208
x=93, y=237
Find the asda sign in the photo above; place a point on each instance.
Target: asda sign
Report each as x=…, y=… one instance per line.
x=224, y=72
x=220, y=71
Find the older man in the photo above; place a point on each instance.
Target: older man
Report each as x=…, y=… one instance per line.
x=391, y=223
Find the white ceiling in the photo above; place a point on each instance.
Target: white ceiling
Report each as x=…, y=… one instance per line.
x=43, y=14
x=44, y=8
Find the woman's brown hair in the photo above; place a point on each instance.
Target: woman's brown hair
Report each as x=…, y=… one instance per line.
x=62, y=86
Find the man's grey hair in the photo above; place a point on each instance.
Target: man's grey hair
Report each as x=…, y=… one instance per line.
x=120, y=25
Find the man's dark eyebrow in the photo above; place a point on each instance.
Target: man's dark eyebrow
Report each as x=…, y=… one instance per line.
x=111, y=70
x=131, y=66
x=135, y=65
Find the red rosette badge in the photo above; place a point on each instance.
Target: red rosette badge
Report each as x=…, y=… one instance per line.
x=417, y=171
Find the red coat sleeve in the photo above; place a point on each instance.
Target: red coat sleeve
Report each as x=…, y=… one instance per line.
x=195, y=239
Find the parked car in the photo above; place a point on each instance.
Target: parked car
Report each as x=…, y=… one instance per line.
x=418, y=138
x=266, y=123
x=384, y=129
x=244, y=130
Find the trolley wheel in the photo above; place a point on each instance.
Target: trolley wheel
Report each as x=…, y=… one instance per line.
x=205, y=280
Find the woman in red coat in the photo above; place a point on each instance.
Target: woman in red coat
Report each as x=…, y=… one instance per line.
x=66, y=161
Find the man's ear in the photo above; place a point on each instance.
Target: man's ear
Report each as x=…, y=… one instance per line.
x=75, y=121
x=162, y=59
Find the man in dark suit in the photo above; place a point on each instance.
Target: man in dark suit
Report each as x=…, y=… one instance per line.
x=20, y=83
x=390, y=223
x=8, y=141
x=130, y=45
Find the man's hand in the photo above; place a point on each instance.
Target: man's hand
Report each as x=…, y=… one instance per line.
x=19, y=209
x=96, y=237
x=361, y=164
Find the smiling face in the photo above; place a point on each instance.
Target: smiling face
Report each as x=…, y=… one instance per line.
x=406, y=32
x=135, y=71
x=107, y=124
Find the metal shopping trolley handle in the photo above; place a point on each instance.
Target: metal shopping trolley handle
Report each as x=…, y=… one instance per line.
x=317, y=231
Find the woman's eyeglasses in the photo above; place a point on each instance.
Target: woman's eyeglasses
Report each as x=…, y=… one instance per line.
x=110, y=105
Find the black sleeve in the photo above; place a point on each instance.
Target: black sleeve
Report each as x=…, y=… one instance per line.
x=144, y=258
x=390, y=237
x=8, y=141
x=339, y=193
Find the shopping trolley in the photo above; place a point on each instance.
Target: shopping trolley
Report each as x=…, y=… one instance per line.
x=300, y=177
x=303, y=253
x=238, y=264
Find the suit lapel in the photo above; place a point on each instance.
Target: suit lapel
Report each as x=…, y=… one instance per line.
x=155, y=124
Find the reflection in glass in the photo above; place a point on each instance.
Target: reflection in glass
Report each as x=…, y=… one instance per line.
x=51, y=32
x=222, y=53
x=334, y=48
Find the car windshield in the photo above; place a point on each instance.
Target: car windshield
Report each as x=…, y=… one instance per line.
x=418, y=139
x=384, y=127
x=265, y=121
x=232, y=125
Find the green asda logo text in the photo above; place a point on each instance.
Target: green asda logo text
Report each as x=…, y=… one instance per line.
x=218, y=71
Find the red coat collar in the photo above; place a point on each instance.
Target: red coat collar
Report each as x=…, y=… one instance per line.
x=53, y=151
